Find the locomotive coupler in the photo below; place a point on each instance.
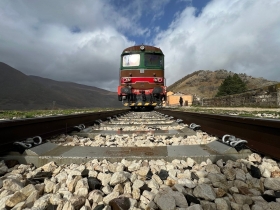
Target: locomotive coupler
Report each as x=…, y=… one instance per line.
x=143, y=95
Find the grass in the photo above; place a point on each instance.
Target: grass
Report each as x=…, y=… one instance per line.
x=15, y=114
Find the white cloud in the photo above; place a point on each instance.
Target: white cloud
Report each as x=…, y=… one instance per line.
x=238, y=35
x=36, y=39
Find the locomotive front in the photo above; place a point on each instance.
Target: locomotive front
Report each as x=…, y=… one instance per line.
x=142, y=82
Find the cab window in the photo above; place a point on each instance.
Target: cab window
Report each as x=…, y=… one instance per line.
x=153, y=60
x=131, y=60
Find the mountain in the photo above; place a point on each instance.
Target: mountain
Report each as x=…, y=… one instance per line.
x=205, y=83
x=21, y=92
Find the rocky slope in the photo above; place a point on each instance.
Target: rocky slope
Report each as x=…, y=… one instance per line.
x=205, y=83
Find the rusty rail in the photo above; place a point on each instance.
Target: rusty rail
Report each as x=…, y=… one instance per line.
x=263, y=135
x=19, y=130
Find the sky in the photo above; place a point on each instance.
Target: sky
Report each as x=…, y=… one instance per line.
x=81, y=41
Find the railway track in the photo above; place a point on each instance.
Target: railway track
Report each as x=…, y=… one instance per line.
x=19, y=130
x=148, y=160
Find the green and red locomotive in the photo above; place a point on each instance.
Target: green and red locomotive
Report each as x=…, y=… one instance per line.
x=142, y=82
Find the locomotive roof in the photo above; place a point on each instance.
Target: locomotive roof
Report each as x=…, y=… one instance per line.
x=147, y=48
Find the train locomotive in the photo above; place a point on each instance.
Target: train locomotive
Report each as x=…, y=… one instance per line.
x=141, y=79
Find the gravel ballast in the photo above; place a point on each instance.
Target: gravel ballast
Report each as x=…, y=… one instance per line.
x=252, y=183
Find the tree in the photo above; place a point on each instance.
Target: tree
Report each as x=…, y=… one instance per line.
x=231, y=85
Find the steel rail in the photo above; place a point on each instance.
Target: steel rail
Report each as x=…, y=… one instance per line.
x=263, y=135
x=21, y=129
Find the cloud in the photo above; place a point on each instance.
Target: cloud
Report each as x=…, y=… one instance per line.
x=240, y=36
x=65, y=40
x=81, y=42
x=69, y=40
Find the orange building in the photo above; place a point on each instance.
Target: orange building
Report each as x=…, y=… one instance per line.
x=173, y=99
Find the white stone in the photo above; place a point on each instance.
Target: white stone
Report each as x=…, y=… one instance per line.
x=104, y=178
x=134, y=166
x=172, y=173
x=125, y=162
x=95, y=196
x=5, y=193
x=240, y=174
x=107, y=189
x=166, y=202
x=110, y=197
x=81, y=192
x=49, y=167
x=119, y=177
x=93, y=174
x=144, y=199
x=205, y=191
x=195, y=207
x=153, y=184
x=133, y=203
x=31, y=199
x=272, y=183
x=201, y=174
x=68, y=206
x=180, y=199
x=3, y=201
x=213, y=168
x=61, y=176
x=274, y=205
x=222, y=204
x=49, y=185
x=72, y=183
x=143, y=171
x=190, y=162
x=137, y=184
x=179, y=188
x=160, y=162
x=27, y=190
x=12, y=184
x=42, y=202
x=149, y=195
x=119, y=188
x=136, y=194
x=127, y=187
x=19, y=206
x=242, y=199
x=157, y=179
x=254, y=157
x=16, y=198
x=220, y=163
x=186, y=182
x=233, y=190
x=55, y=199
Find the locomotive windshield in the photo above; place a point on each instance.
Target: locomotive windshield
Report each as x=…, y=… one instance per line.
x=131, y=60
x=153, y=60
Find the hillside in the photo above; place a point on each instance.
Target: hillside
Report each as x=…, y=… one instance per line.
x=21, y=92
x=205, y=83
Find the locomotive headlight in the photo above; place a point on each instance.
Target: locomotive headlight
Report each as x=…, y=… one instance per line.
x=155, y=79
x=126, y=79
